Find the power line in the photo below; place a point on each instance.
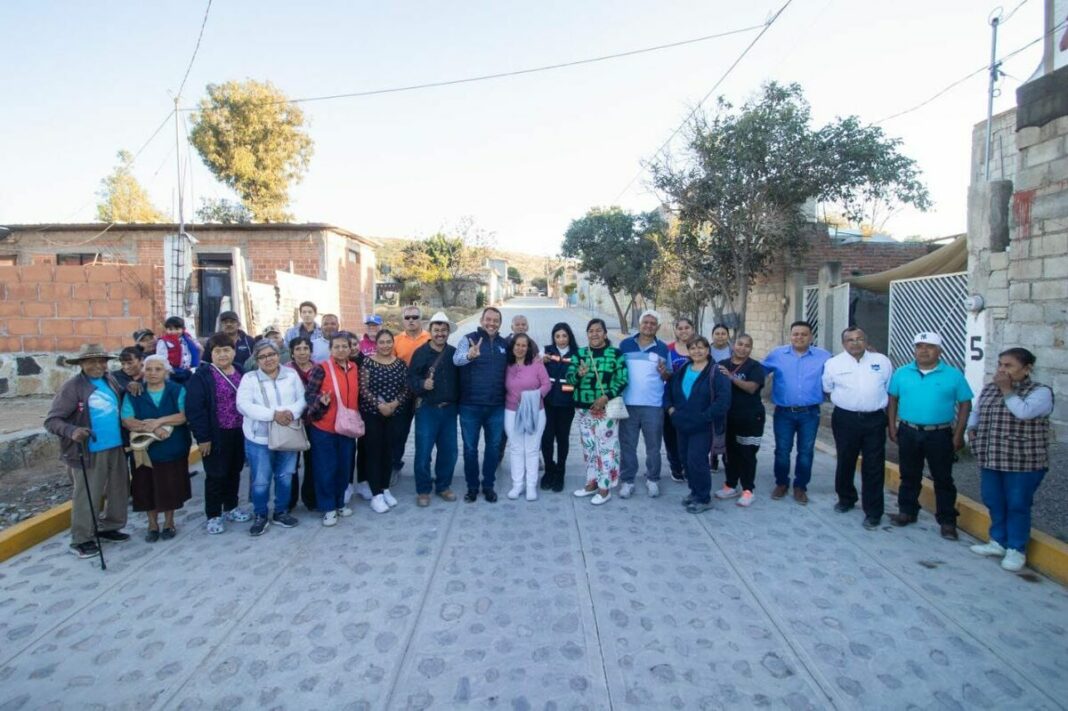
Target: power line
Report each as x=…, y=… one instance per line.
x=503, y=75
x=196, y=49
x=693, y=112
x=1008, y=17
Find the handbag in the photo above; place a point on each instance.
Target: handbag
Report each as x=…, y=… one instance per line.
x=284, y=438
x=347, y=422
x=615, y=408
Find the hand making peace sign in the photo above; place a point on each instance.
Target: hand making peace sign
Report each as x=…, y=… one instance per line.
x=474, y=350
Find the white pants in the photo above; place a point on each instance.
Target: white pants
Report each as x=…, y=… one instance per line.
x=523, y=450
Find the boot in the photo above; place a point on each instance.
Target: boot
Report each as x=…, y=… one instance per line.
x=558, y=478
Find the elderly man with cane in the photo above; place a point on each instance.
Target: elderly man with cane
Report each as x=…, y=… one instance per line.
x=85, y=416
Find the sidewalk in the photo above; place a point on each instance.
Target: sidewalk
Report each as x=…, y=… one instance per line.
x=550, y=604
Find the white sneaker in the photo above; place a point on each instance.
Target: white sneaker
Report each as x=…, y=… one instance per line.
x=745, y=500
x=515, y=491
x=344, y=512
x=389, y=498
x=727, y=493
x=330, y=518
x=378, y=504
x=1013, y=561
x=237, y=516
x=626, y=490
x=216, y=526
x=600, y=498
x=348, y=493
x=653, y=488
x=363, y=490
x=585, y=492
x=992, y=549
x=532, y=493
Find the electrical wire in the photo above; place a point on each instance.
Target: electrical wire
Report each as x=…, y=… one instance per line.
x=196, y=49
x=503, y=75
x=1008, y=17
x=693, y=112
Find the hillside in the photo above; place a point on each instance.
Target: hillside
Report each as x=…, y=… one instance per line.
x=529, y=265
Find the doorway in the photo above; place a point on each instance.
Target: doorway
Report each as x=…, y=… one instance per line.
x=215, y=287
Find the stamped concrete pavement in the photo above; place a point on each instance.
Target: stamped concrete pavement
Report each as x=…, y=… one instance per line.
x=552, y=604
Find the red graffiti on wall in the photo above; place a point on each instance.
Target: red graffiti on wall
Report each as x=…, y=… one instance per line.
x=1021, y=211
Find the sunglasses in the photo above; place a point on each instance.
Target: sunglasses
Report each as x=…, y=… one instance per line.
x=411, y=318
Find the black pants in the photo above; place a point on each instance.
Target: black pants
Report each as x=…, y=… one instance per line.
x=380, y=442
x=304, y=492
x=222, y=473
x=671, y=443
x=557, y=431
x=860, y=433
x=936, y=447
x=404, y=418
x=743, y=442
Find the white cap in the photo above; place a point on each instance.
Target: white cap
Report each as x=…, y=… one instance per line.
x=929, y=337
x=440, y=317
x=649, y=312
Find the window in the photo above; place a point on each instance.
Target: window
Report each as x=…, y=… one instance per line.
x=354, y=256
x=77, y=259
x=8, y=260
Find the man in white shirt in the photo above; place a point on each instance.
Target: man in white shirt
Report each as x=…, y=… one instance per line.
x=856, y=380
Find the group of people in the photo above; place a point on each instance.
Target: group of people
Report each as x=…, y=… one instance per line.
x=357, y=396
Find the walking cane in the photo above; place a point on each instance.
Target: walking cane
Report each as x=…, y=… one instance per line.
x=92, y=509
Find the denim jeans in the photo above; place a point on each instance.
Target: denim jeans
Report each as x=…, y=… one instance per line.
x=1008, y=496
x=265, y=465
x=333, y=455
x=474, y=419
x=435, y=427
x=787, y=425
x=693, y=451
x=649, y=422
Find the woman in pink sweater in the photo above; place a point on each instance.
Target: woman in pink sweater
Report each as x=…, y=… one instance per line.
x=526, y=382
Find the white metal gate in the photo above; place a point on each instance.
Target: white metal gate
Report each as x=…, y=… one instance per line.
x=812, y=309
x=928, y=304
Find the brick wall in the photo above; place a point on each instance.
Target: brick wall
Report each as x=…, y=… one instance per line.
x=46, y=308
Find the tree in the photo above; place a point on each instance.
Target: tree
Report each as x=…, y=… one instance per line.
x=617, y=249
x=447, y=263
x=746, y=174
x=514, y=276
x=223, y=211
x=253, y=141
x=540, y=283
x=122, y=199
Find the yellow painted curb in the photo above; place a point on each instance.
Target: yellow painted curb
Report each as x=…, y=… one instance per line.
x=1045, y=553
x=26, y=534
x=33, y=530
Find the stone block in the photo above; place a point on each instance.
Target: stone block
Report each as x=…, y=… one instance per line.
x=997, y=297
x=998, y=280
x=4, y=386
x=1019, y=291
x=1025, y=269
x=1044, y=152
x=1055, y=267
x=1055, y=313
x=998, y=261
x=29, y=386
x=1024, y=312
x=1049, y=245
x=1027, y=137
x=1010, y=333
x=1054, y=205
x=1032, y=178
x=1037, y=335
x=1049, y=290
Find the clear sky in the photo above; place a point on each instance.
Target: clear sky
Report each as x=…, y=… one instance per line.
x=523, y=155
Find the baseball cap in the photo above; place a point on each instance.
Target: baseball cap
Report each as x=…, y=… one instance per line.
x=271, y=329
x=141, y=333
x=929, y=337
x=232, y=315
x=377, y=320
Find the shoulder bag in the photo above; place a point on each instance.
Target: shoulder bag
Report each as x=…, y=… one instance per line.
x=284, y=438
x=615, y=409
x=347, y=422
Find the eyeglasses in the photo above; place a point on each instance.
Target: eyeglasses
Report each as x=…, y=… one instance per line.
x=265, y=356
x=411, y=318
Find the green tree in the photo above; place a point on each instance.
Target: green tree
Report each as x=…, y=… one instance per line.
x=223, y=211
x=514, y=276
x=253, y=141
x=447, y=263
x=617, y=249
x=122, y=199
x=746, y=173
x=540, y=283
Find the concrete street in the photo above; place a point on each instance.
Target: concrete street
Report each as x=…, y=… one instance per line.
x=553, y=604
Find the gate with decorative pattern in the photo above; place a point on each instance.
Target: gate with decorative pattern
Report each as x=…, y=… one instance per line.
x=812, y=309
x=933, y=303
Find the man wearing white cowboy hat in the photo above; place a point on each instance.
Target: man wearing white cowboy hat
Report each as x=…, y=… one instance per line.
x=85, y=413
x=434, y=379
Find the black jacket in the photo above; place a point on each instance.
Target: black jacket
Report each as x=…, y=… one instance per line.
x=699, y=410
x=557, y=369
x=201, y=410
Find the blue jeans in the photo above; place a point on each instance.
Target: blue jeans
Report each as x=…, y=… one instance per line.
x=435, y=427
x=1008, y=496
x=265, y=465
x=473, y=420
x=333, y=455
x=693, y=452
x=649, y=422
x=787, y=424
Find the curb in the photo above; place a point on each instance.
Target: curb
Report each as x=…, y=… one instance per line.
x=1045, y=553
x=26, y=534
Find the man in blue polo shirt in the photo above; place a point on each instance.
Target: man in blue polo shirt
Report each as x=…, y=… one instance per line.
x=928, y=411
x=796, y=373
x=648, y=367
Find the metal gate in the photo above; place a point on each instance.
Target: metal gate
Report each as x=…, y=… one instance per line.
x=812, y=309
x=928, y=304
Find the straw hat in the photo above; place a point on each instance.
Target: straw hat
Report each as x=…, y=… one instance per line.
x=89, y=351
x=440, y=317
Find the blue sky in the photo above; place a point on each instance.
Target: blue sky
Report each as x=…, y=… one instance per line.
x=524, y=155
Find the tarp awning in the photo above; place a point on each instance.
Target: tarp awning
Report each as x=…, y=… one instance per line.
x=950, y=259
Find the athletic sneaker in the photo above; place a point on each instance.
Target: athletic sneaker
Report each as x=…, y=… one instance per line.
x=379, y=505
x=348, y=494
x=1013, y=561
x=215, y=525
x=85, y=550
x=992, y=549
x=727, y=492
x=237, y=516
x=746, y=499
x=285, y=520
x=688, y=499
x=515, y=492
x=678, y=477
x=114, y=536
x=363, y=490
x=330, y=518
x=697, y=507
x=600, y=498
x=344, y=512
x=259, y=526
x=390, y=499
x=653, y=488
x=626, y=490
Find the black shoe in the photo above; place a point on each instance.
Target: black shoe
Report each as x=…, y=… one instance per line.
x=114, y=536
x=285, y=520
x=715, y=464
x=259, y=526
x=689, y=499
x=678, y=477
x=489, y=495
x=902, y=519
x=471, y=496
x=546, y=482
x=167, y=534
x=843, y=508
x=558, y=482
x=696, y=507
x=872, y=522
x=152, y=536
x=85, y=550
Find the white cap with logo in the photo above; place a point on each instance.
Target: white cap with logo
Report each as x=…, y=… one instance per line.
x=929, y=337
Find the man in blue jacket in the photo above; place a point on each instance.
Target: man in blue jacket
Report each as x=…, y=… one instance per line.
x=482, y=357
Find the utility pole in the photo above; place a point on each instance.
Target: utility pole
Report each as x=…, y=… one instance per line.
x=995, y=73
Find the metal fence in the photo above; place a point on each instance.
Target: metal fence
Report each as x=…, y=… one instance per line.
x=928, y=304
x=812, y=309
